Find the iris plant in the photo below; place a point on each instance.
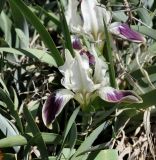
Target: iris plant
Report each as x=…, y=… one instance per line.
x=84, y=78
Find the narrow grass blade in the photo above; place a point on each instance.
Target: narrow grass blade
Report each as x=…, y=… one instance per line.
x=21, y=26
x=7, y=100
x=65, y=30
x=33, y=19
x=36, y=133
x=109, y=57
x=17, y=15
x=70, y=123
x=4, y=86
x=16, y=100
x=88, y=142
x=69, y=126
x=73, y=136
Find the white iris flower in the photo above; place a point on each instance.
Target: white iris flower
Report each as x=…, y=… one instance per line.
x=90, y=20
x=84, y=78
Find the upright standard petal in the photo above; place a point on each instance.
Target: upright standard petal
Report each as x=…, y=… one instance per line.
x=73, y=18
x=125, y=32
x=110, y=94
x=80, y=75
x=54, y=105
x=93, y=15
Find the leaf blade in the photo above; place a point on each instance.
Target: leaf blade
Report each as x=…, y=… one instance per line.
x=33, y=19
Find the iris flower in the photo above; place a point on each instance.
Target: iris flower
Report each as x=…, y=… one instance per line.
x=90, y=20
x=84, y=78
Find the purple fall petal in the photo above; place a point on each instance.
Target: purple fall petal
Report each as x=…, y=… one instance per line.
x=125, y=32
x=131, y=35
x=117, y=96
x=89, y=55
x=54, y=105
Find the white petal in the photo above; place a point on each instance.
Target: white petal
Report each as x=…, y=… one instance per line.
x=80, y=79
x=114, y=28
x=68, y=61
x=93, y=16
x=66, y=70
x=73, y=18
x=54, y=105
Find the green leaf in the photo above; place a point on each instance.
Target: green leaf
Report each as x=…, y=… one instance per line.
x=7, y=100
x=32, y=53
x=137, y=74
x=50, y=15
x=109, y=154
x=70, y=123
x=148, y=100
x=24, y=40
x=20, y=140
x=109, y=57
x=152, y=49
x=68, y=127
x=17, y=15
x=4, y=86
x=16, y=101
x=33, y=107
x=34, y=20
x=5, y=25
x=72, y=136
x=66, y=153
x=144, y=16
x=41, y=55
x=87, y=143
x=36, y=133
x=120, y=16
x=8, y=129
x=65, y=30
x=146, y=31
